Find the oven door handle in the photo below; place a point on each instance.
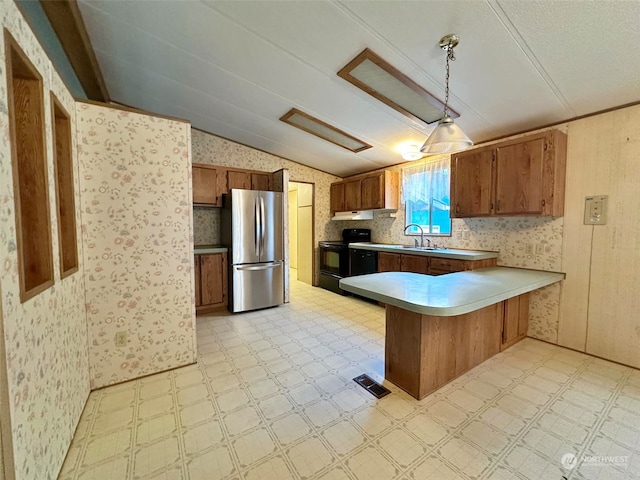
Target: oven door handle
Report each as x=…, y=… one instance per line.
x=333, y=248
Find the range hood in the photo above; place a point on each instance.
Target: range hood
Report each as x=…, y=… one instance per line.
x=360, y=215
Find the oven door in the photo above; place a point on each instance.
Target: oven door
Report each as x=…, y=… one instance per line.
x=332, y=258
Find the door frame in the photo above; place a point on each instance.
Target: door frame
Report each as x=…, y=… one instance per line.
x=314, y=240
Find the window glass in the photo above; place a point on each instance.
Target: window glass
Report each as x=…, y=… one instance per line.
x=425, y=193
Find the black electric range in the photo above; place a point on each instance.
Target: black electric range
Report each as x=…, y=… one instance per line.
x=334, y=257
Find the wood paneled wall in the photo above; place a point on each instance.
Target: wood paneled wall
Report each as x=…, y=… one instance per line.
x=600, y=300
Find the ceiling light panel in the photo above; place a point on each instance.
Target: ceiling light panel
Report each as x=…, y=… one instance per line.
x=323, y=130
x=381, y=80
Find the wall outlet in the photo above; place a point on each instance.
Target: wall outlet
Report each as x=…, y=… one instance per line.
x=595, y=210
x=540, y=249
x=466, y=235
x=529, y=248
x=121, y=339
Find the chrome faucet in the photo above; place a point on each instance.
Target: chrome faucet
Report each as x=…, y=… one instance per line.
x=421, y=233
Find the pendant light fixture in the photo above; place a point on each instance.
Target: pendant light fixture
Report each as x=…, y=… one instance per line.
x=447, y=137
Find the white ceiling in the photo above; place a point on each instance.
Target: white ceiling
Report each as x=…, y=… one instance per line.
x=234, y=68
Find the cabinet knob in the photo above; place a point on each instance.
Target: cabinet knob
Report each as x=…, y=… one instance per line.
x=498, y=206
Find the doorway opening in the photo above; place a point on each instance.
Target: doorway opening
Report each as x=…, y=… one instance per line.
x=301, y=213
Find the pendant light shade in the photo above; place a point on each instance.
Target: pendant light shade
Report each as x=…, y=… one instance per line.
x=447, y=137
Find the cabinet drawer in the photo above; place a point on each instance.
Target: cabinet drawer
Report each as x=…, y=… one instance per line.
x=447, y=265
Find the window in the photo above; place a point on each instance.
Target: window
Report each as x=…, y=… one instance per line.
x=425, y=193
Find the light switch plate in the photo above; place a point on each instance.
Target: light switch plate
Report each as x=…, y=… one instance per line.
x=595, y=210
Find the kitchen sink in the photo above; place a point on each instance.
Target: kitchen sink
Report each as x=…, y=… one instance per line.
x=411, y=247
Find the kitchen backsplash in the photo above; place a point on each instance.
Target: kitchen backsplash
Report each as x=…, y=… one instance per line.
x=206, y=226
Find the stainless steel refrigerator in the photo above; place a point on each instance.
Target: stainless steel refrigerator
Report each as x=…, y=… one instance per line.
x=252, y=228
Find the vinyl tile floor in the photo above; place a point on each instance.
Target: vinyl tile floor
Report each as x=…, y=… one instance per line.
x=272, y=397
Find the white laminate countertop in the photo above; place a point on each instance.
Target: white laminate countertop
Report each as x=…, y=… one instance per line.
x=200, y=249
x=441, y=252
x=452, y=294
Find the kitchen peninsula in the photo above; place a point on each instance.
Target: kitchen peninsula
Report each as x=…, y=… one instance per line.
x=439, y=327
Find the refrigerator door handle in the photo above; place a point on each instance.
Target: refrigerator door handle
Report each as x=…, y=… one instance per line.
x=256, y=225
x=262, y=225
x=260, y=267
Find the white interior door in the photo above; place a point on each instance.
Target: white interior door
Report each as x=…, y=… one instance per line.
x=293, y=227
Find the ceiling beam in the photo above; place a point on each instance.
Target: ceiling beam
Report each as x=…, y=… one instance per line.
x=66, y=21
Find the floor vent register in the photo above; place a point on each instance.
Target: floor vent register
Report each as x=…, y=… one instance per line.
x=371, y=386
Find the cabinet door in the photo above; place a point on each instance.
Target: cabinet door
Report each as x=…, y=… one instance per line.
x=471, y=183
x=519, y=177
x=212, y=274
x=352, y=195
x=204, y=186
x=236, y=179
x=372, y=192
x=441, y=266
x=510, y=320
x=260, y=181
x=389, y=262
x=196, y=276
x=337, y=197
x=523, y=321
x=415, y=264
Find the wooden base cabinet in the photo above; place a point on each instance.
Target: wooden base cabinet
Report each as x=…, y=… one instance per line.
x=515, y=321
x=425, y=352
x=211, y=281
x=427, y=265
x=525, y=176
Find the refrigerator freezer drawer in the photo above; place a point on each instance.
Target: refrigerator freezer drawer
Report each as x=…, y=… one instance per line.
x=257, y=286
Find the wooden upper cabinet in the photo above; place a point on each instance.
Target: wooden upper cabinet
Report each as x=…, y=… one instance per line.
x=352, y=195
x=519, y=178
x=211, y=182
x=238, y=179
x=260, y=181
x=376, y=191
x=205, y=191
x=524, y=176
x=337, y=197
x=372, y=192
x=471, y=183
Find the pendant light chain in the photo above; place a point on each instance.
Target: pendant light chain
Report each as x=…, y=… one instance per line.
x=450, y=57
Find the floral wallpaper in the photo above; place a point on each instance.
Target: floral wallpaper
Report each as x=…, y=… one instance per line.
x=135, y=173
x=208, y=148
x=45, y=337
x=206, y=226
